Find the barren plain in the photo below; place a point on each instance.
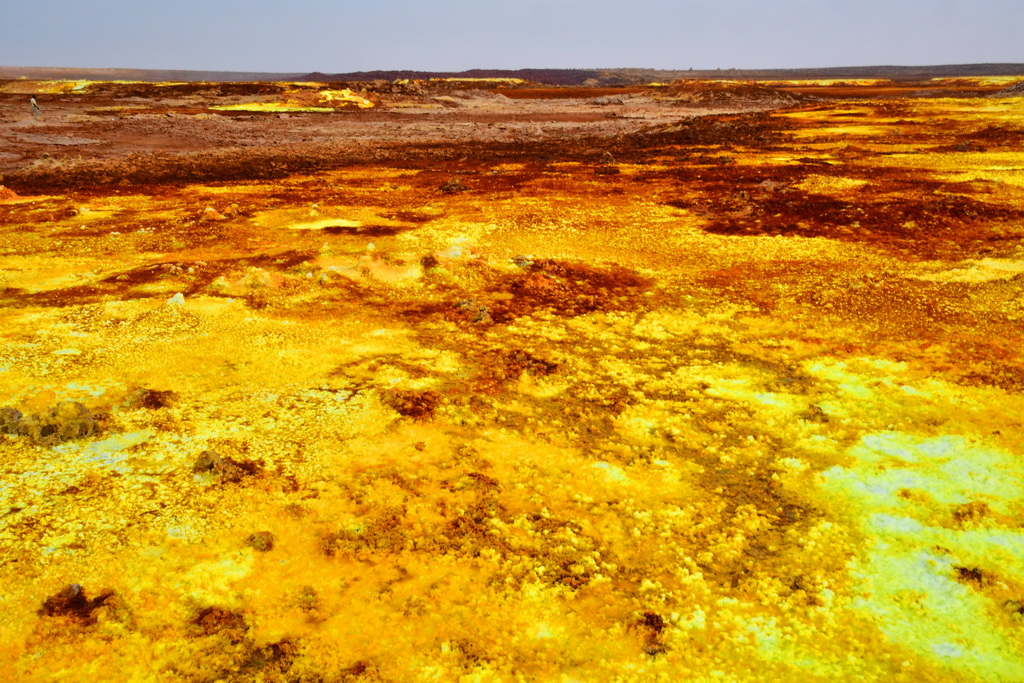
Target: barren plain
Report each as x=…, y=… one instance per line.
x=489, y=381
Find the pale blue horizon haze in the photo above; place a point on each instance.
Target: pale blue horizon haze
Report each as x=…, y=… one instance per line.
x=453, y=35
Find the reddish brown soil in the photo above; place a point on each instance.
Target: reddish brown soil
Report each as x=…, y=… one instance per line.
x=566, y=93
x=120, y=137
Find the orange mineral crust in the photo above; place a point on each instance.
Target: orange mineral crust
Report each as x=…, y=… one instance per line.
x=421, y=381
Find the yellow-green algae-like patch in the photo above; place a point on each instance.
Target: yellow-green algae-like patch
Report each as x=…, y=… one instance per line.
x=978, y=271
x=281, y=107
x=905, y=490
x=321, y=217
x=828, y=184
x=322, y=101
x=325, y=223
x=211, y=582
x=104, y=451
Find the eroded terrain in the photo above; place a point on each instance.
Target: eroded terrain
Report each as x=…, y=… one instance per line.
x=668, y=384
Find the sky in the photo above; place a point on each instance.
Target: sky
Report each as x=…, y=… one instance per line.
x=334, y=36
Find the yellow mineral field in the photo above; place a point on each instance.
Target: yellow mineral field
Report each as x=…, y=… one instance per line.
x=730, y=397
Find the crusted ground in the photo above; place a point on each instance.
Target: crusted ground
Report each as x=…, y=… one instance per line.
x=511, y=387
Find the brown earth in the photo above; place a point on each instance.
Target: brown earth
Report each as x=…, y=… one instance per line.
x=167, y=133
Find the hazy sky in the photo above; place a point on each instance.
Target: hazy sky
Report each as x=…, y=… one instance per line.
x=451, y=35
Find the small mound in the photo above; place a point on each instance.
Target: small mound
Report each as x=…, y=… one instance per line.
x=1013, y=91
x=6, y=193
x=226, y=467
x=65, y=421
x=72, y=602
x=149, y=399
x=415, y=404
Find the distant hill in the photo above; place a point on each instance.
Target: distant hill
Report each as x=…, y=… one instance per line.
x=54, y=73
x=612, y=77
x=895, y=73
x=545, y=76
x=604, y=77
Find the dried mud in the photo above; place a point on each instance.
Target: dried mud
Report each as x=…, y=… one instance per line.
x=527, y=385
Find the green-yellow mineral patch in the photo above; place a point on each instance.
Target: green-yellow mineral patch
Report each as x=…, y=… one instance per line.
x=903, y=489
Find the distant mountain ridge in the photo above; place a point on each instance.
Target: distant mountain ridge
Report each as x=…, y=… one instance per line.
x=54, y=73
x=623, y=76
x=568, y=77
x=545, y=76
